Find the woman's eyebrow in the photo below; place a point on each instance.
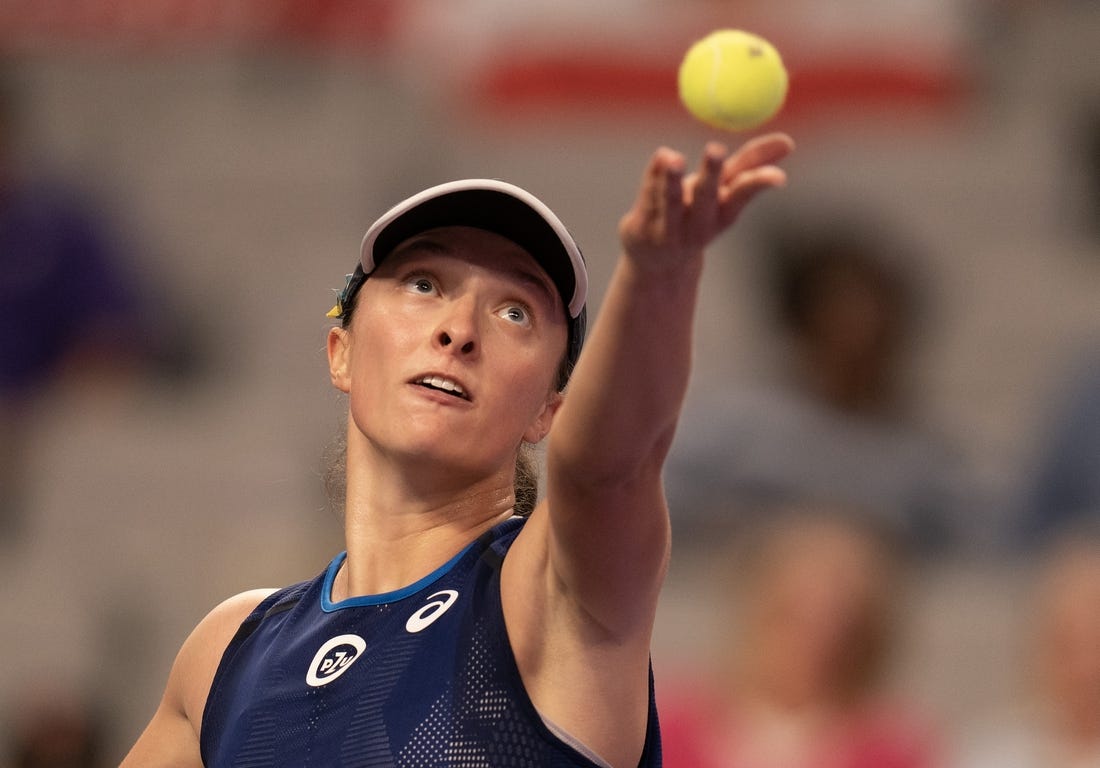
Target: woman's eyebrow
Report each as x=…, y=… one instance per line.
x=422, y=244
x=535, y=281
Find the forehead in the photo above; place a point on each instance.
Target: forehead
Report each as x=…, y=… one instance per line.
x=478, y=248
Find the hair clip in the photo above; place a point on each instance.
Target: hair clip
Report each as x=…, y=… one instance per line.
x=343, y=295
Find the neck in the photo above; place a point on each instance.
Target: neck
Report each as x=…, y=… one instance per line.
x=400, y=524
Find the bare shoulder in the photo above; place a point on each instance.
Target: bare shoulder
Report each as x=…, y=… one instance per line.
x=172, y=736
x=202, y=651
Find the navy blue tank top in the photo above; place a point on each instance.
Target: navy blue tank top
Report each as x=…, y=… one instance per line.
x=423, y=676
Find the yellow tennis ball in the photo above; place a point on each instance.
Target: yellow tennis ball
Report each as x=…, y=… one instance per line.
x=733, y=80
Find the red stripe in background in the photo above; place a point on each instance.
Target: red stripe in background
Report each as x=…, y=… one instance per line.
x=519, y=87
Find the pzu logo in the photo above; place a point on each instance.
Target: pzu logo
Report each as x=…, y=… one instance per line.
x=334, y=658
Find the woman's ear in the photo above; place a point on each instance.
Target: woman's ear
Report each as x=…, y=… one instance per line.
x=540, y=427
x=339, y=358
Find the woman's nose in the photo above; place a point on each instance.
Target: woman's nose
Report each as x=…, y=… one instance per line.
x=458, y=332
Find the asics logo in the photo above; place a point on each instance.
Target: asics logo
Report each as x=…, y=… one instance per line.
x=427, y=615
x=334, y=658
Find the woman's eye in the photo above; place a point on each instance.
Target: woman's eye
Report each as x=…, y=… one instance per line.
x=516, y=315
x=421, y=285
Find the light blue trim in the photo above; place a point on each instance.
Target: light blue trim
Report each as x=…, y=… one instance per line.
x=386, y=597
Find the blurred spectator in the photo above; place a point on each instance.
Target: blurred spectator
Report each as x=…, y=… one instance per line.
x=835, y=427
x=68, y=305
x=1067, y=488
x=797, y=683
x=1060, y=725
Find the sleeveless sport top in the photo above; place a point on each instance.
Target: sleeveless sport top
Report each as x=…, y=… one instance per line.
x=422, y=676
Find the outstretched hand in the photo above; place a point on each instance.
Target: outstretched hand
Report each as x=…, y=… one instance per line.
x=675, y=216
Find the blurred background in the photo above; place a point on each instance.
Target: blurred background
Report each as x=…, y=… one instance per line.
x=902, y=348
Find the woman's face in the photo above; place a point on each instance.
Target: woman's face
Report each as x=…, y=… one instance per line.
x=453, y=351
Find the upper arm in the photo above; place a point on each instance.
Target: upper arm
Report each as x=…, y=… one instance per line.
x=608, y=545
x=171, y=739
x=608, y=533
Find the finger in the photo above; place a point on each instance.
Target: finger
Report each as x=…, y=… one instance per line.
x=768, y=149
x=747, y=186
x=650, y=192
x=701, y=193
x=651, y=208
x=672, y=164
x=703, y=184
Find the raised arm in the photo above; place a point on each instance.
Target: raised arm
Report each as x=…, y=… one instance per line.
x=608, y=519
x=580, y=586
